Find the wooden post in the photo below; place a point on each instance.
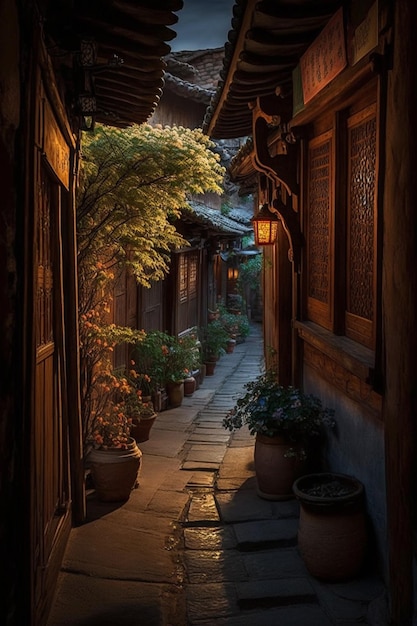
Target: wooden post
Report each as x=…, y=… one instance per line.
x=399, y=301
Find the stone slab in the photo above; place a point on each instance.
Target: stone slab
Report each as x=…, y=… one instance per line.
x=169, y=503
x=111, y=602
x=201, y=479
x=210, y=601
x=280, y=563
x=230, y=484
x=204, y=438
x=120, y=547
x=249, y=535
x=166, y=443
x=200, y=465
x=238, y=462
x=208, y=567
x=209, y=454
x=221, y=538
x=203, y=508
x=306, y=615
x=280, y=591
x=243, y=506
x=210, y=429
x=348, y=602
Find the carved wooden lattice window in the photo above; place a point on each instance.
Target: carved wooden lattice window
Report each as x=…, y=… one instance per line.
x=319, y=230
x=192, y=274
x=361, y=226
x=183, y=278
x=44, y=295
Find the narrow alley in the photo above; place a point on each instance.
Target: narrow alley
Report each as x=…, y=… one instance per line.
x=194, y=544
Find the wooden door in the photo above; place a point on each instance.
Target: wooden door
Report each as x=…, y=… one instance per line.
x=151, y=310
x=50, y=494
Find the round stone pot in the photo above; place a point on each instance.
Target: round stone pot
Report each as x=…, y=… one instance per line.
x=189, y=385
x=175, y=391
x=141, y=429
x=210, y=367
x=332, y=534
x=230, y=345
x=115, y=471
x=276, y=467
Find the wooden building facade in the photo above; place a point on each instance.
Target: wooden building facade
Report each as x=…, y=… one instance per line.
x=327, y=94
x=196, y=279
x=60, y=69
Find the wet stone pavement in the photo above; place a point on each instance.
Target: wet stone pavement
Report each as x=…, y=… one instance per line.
x=194, y=545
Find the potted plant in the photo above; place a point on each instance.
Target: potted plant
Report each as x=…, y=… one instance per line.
x=112, y=454
x=149, y=358
x=236, y=324
x=213, y=342
x=284, y=421
x=137, y=403
x=332, y=533
x=181, y=359
x=229, y=322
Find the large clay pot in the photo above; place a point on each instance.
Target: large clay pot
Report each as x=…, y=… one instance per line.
x=189, y=385
x=175, y=391
x=210, y=367
x=332, y=535
x=141, y=429
x=115, y=471
x=157, y=401
x=277, y=464
x=202, y=373
x=230, y=345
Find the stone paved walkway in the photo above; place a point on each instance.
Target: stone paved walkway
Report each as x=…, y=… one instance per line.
x=194, y=545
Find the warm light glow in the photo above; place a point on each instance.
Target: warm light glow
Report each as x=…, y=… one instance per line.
x=265, y=226
x=232, y=273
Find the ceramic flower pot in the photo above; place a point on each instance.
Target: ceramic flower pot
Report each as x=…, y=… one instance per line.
x=210, y=367
x=189, y=385
x=277, y=465
x=141, y=429
x=175, y=391
x=332, y=535
x=230, y=346
x=115, y=471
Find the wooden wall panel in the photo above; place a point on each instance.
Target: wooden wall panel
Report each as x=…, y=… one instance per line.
x=320, y=226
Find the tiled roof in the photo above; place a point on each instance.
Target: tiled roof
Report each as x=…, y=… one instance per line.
x=213, y=219
x=126, y=71
x=265, y=44
x=187, y=90
x=194, y=74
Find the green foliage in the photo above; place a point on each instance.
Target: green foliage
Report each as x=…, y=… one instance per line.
x=149, y=357
x=225, y=208
x=182, y=357
x=270, y=409
x=97, y=342
x=165, y=357
x=235, y=324
x=109, y=424
x=133, y=184
x=213, y=339
x=250, y=271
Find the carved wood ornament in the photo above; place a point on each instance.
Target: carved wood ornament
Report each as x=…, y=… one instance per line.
x=281, y=167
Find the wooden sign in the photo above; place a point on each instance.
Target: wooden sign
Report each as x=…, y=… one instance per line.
x=325, y=58
x=55, y=147
x=365, y=37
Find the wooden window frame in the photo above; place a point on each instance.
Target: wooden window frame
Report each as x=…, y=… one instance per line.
x=320, y=312
x=357, y=328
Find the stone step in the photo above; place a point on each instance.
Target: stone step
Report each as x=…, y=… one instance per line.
x=279, y=592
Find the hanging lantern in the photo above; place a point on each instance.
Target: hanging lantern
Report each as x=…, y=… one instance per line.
x=232, y=273
x=265, y=226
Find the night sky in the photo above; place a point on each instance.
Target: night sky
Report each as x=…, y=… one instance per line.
x=202, y=24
